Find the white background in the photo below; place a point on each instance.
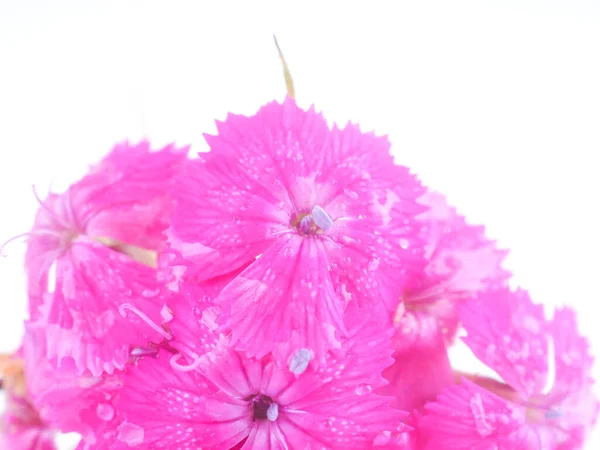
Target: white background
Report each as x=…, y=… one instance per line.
x=496, y=104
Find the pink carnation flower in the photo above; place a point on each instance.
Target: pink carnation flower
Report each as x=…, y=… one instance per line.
x=323, y=218
x=123, y=204
x=461, y=262
x=69, y=402
x=234, y=401
x=21, y=427
x=547, y=401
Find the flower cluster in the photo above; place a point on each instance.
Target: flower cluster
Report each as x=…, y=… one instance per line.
x=292, y=288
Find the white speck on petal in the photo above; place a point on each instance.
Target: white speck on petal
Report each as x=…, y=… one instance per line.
x=209, y=316
x=321, y=218
x=300, y=360
x=273, y=412
x=130, y=434
x=166, y=314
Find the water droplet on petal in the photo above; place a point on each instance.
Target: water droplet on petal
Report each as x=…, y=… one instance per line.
x=148, y=293
x=353, y=195
x=373, y=264
x=105, y=412
x=363, y=389
x=209, y=317
x=300, y=360
x=166, y=314
x=382, y=438
x=328, y=423
x=404, y=243
x=321, y=218
x=130, y=434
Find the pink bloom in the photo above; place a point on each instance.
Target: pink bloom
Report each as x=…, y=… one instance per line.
x=461, y=262
x=418, y=375
x=323, y=218
x=242, y=402
x=21, y=427
x=547, y=401
x=69, y=402
x=192, y=330
x=124, y=204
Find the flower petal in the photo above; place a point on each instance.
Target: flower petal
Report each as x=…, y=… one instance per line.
x=284, y=297
x=418, y=375
x=510, y=334
x=82, y=316
x=175, y=409
x=467, y=416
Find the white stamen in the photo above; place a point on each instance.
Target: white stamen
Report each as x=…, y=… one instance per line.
x=300, y=360
x=553, y=414
x=174, y=361
x=140, y=351
x=129, y=307
x=306, y=224
x=273, y=412
x=551, y=367
x=321, y=218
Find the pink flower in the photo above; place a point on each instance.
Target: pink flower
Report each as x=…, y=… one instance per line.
x=89, y=236
x=69, y=402
x=323, y=218
x=234, y=400
x=461, y=262
x=418, y=375
x=21, y=427
x=547, y=401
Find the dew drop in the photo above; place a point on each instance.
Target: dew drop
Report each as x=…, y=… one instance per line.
x=166, y=314
x=300, y=360
x=363, y=389
x=373, y=264
x=382, y=438
x=353, y=195
x=404, y=244
x=148, y=293
x=209, y=317
x=105, y=412
x=130, y=434
x=327, y=423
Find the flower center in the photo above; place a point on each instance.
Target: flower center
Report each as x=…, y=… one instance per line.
x=264, y=408
x=314, y=222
